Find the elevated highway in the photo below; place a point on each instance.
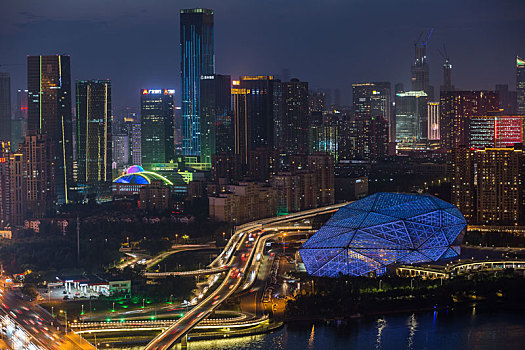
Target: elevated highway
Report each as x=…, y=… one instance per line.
x=238, y=255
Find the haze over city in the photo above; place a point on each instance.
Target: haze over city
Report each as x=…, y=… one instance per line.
x=329, y=43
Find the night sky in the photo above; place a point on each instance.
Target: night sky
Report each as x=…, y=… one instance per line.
x=328, y=43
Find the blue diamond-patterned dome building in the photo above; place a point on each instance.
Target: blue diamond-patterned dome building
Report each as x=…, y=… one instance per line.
x=366, y=236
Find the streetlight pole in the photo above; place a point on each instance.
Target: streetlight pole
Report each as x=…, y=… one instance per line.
x=143, y=300
x=284, y=243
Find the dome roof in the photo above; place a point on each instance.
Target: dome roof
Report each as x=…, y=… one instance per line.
x=138, y=176
x=384, y=228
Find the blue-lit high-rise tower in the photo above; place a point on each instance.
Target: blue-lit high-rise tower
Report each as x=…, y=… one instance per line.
x=197, y=60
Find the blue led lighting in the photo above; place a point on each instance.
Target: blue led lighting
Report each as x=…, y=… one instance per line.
x=385, y=228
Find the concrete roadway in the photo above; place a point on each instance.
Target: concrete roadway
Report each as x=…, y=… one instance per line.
x=45, y=330
x=239, y=262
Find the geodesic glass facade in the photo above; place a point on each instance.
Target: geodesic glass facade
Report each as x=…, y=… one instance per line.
x=367, y=235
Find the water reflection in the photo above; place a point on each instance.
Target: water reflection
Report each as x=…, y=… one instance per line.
x=381, y=324
x=451, y=329
x=412, y=327
x=311, y=339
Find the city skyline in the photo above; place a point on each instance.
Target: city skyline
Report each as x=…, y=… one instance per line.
x=314, y=53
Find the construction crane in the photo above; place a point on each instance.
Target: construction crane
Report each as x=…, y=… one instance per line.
x=418, y=42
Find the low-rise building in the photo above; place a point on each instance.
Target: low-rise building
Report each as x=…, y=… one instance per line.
x=244, y=202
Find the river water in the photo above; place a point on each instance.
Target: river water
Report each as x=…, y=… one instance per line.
x=466, y=329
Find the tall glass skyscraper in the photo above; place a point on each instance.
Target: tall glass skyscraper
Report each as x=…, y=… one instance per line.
x=411, y=117
x=520, y=85
x=94, y=131
x=197, y=60
x=49, y=114
x=157, y=126
x=216, y=118
x=5, y=107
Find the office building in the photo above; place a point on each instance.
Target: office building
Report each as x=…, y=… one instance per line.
x=157, y=126
x=294, y=126
x=197, y=60
x=5, y=180
x=520, y=85
x=257, y=114
x=495, y=131
x=323, y=136
x=94, y=129
x=456, y=107
x=19, y=123
x=121, y=150
x=216, y=118
x=136, y=144
x=49, y=114
x=5, y=107
x=317, y=101
x=374, y=100
x=32, y=179
x=433, y=121
x=411, y=117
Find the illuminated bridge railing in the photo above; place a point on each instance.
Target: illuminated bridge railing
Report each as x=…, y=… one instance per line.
x=459, y=268
x=186, y=273
x=231, y=322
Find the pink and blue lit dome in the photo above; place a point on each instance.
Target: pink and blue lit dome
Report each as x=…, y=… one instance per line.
x=136, y=175
x=367, y=235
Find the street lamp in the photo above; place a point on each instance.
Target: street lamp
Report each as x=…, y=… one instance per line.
x=65, y=314
x=284, y=243
x=143, y=300
x=176, y=238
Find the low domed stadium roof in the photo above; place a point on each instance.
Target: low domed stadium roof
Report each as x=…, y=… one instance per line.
x=369, y=234
x=138, y=176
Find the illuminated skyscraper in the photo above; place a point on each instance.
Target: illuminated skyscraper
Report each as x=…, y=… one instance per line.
x=49, y=114
x=5, y=107
x=94, y=131
x=32, y=179
x=157, y=126
x=456, y=107
x=5, y=181
x=197, y=59
x=520, y=85
x=373, y=100
x=433, y=121
x=136, y=144
x=257, y=114
x=19, y=124
x=411, y=117
x=216, y=119
x=294, y=136
x=495, y=131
